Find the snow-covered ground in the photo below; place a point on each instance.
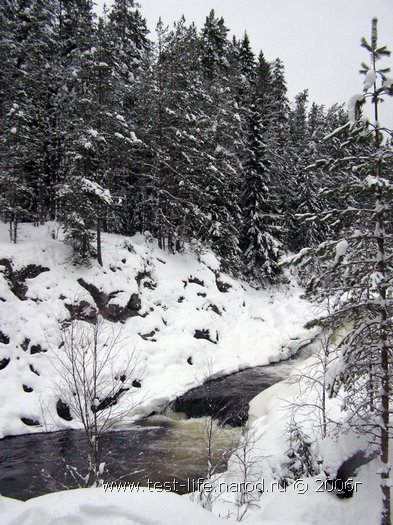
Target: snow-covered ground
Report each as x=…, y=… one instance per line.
x=175, y=296
x=95, y=507
x=179, y=295
x=308, y=499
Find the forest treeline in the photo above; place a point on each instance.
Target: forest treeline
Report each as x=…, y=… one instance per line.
x=190, y=137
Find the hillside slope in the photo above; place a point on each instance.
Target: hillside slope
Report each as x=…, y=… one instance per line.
x=181, y=317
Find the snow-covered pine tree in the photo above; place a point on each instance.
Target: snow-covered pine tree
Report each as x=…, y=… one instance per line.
x=305, y=201
x=100, y=142
x=225, y=144
x=333, y=156
x=322, y=145
x=190, y=128
x=263, y=80
x=260, y=227
x=262, y=248
x=277, y=139
x=301, y=460
x=299, y=190
x=128, y=35
x=12, y=185
x=128, y=48
x=173, y=127
x=356, y=274
x=279, y=101
x=246, y=58
x=214, y=45
x=77, y=210
x=86, y=201
x=28, y=50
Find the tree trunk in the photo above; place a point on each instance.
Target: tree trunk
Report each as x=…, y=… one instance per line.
x=99, y=246
x=384, y=451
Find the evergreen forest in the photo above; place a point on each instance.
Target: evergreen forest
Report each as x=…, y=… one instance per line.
x=190, y=137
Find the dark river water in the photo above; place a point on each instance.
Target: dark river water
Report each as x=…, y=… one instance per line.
x=160, y=449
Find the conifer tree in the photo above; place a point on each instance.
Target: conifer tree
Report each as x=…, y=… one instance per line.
x=301, y=460
x=27, y=109
x=246, y=58
x=128, y=48
x=356, y=274
x=100, y=141
x=280, y=104
x=226, y=141
x=262, y=248
x=214, y=45
x=305, y=199
x=260, y=228
x=174, y=133
x=277, y=139
x=263, y=83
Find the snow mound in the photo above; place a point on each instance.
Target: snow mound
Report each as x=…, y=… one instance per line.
x=95, y=507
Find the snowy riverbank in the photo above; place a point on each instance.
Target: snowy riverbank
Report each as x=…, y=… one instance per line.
x=182, y=318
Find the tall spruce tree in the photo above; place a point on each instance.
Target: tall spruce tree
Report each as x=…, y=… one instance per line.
x=278, y=142
x=100, y=131
x=27, y=109
x=128, y=47
x=262, y=248
x=214, y=46
x=225, y=143
x=83, y=189
x=356, y=274
x=172, y=107
x=305, y=201
x=260, y=228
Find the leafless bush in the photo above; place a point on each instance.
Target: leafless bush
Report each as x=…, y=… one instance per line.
x=96, y=367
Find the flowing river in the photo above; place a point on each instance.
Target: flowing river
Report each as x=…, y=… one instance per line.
x=168, y=448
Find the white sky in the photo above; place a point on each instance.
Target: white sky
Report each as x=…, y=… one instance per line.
x=318, y=40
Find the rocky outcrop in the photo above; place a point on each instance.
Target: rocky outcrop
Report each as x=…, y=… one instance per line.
x=63, y=410
x=222, y=286
x=111, y=311
x=145, y=280
x=17, y=278
x=30, y=422
x=3, y=363
x=37, y=349
x=195, y=280
x=214, y=309
x=4, y=338
x=108, y=401
x=341, y=485
x=34, y=370
x=82, y=311
x=149, y=336
x=204, y=334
